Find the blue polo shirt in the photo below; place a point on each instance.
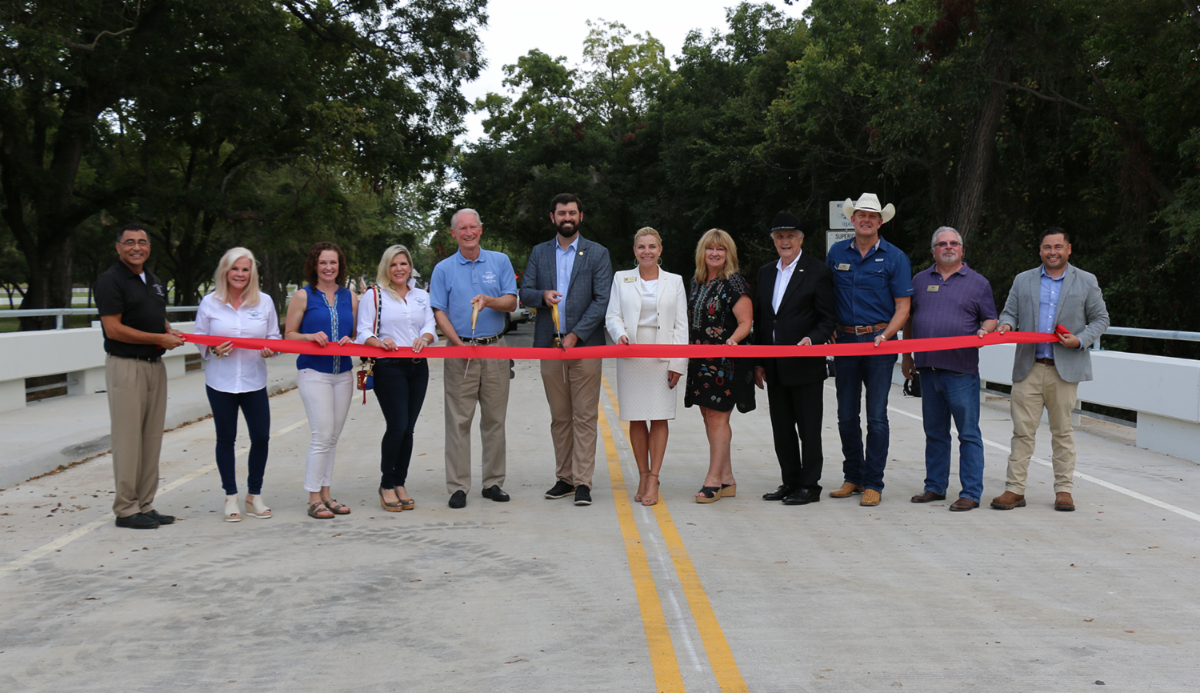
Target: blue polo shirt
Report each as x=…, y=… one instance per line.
x=456, y=280
x=865, y=288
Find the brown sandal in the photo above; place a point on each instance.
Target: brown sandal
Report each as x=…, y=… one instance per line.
x=337, y=508
x=314, y=511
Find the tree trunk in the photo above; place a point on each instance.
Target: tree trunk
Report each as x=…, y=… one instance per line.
x=975, y=161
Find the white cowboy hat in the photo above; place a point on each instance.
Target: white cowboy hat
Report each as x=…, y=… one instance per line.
x=868, y=203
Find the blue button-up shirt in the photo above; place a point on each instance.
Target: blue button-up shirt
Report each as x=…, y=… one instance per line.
x=1047, y=309
x=456, y=280
x=565, y=262
x=865, y=288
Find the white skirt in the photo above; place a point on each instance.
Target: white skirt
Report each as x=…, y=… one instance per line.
x=642, y=388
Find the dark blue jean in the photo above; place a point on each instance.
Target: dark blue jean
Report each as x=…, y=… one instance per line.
x=400, y=385
x=257, y=410
x=949, y=395
x=853, y=373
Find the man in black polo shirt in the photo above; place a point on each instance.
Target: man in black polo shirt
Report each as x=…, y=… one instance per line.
x=133, y=315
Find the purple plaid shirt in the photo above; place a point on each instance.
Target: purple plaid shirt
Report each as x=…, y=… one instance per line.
x=952, y=307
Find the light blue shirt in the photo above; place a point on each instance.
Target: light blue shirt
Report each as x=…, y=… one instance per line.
x=565, y=262
x=1047, y=309
x=456, y=280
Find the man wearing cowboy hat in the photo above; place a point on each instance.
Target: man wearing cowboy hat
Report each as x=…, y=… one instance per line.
x=795, y=306
x=873, y=291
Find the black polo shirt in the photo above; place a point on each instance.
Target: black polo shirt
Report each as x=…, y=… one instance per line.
x=141, y=305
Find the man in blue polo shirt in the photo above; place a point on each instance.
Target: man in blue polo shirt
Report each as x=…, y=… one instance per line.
x=950, y=300
x=872, y=282
x=469, y=278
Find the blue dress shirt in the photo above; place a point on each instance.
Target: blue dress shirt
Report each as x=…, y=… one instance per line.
x=565, y=262
x=1047, y=309
x=456, y=280
x=866, y=288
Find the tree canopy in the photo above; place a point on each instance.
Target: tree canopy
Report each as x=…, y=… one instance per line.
x=998, y=117
x=224, y=123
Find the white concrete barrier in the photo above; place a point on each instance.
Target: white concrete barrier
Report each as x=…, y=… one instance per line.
x=78, y=353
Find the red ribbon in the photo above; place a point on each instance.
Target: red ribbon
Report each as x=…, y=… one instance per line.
x=656, y=351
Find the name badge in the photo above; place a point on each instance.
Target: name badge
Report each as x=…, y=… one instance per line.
x=630, y=280
x=880, y=259
x=933, y=287
x=844, y=267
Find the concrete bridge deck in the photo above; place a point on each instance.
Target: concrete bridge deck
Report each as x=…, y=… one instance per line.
x=540, y=595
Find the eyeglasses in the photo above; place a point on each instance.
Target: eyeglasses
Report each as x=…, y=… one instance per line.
x=947, y=244
x=136, y=243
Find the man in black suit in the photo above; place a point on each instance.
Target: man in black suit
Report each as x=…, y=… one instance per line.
x=795, y=306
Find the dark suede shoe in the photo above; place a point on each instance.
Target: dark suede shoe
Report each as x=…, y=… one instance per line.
x=583, y=495
x=561, y=489
x=137, y=521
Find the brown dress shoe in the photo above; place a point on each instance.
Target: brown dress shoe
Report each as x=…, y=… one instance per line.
x=963, y=505
x=927, y=496
x=1007, y=501
x=1063, y=502
x=846, y=490
x=871, y=497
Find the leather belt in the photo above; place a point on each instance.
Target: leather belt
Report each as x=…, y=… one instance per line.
x=862, y=329
x=1044, y=362
x=147, y=359
x=483, y=341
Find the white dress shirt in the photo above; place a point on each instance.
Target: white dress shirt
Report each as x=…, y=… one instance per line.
x=783, y=275
x=244, y=370
x=402, y=320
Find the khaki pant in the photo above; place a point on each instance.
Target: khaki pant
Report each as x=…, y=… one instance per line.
x=483, y=382
x=573, y=391
x=1042, y=388
x=137, y=407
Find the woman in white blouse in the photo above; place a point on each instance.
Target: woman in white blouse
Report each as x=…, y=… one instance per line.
x=648, y=306
x=237, y=378
x=405, y=322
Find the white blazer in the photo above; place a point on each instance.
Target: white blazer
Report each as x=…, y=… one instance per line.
x=625, y=307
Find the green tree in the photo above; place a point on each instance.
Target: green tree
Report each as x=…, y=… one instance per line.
x=167, y=108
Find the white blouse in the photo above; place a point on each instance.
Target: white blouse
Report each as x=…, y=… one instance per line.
x=648, y=288
x=403, y=321
x=244, y=370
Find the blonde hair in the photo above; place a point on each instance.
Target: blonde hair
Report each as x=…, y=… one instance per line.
x=383, y=276
x=647, y=231
x=221, y=277
x=721, y=239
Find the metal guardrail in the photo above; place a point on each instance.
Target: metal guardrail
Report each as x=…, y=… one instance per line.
x=1152, y=334
x=60, y=312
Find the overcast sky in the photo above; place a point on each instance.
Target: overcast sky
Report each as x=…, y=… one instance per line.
x=558, y=28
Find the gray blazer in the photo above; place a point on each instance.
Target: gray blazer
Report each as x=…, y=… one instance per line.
x=1080, y=309
x=587, y=296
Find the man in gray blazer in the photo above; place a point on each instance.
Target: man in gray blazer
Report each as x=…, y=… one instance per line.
x=575, y=275
x=1048, y=375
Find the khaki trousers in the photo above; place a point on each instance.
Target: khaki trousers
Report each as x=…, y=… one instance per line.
x=573, y=391
x=483, y=382
x=137, y=408
x=1042, y=388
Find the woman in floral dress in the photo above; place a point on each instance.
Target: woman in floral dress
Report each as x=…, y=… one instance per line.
x=719, y=312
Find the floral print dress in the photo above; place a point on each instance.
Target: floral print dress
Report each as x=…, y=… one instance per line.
x=717, y=383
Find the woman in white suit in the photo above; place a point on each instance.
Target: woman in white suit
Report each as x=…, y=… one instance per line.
x=648, y=306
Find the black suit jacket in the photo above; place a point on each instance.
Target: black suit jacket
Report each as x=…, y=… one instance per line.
x=807, y=310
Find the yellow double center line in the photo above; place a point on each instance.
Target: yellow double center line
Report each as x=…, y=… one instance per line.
x=667, y=674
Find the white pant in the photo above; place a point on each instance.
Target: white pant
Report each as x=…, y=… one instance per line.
x=327, y=402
